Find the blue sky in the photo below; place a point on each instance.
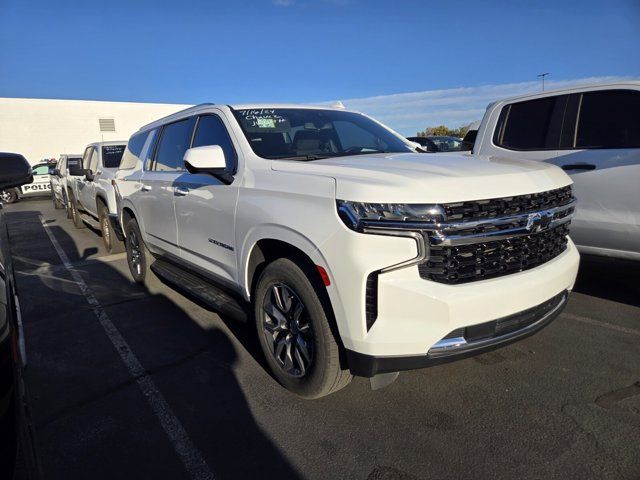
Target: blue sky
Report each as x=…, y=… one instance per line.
x=312, y=50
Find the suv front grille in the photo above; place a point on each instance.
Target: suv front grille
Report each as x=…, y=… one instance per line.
x=480, y=261
x=484, y=239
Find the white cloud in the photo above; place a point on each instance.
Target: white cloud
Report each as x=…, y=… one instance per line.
x=410, y=112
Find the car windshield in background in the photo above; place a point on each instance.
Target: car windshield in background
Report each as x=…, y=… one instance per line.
x=312, y=134
x=111, y=155
x=447, y=144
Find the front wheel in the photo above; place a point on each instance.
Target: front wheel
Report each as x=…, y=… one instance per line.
x=294, y=330
x=75, y=215
x=139, y=258
x=57, y=204
x=9, y=196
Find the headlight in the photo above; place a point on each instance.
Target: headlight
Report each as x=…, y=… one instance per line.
x=359, y=215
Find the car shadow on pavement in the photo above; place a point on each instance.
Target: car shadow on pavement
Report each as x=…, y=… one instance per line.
x=607, y=278
x=89, y=411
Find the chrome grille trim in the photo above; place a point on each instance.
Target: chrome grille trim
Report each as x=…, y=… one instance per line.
x=502, y=231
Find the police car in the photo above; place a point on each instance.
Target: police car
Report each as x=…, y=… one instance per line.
x=41, y=185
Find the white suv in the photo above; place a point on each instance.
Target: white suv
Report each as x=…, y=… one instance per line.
x=357, y=254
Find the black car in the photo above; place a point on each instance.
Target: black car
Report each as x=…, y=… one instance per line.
x=15, y=429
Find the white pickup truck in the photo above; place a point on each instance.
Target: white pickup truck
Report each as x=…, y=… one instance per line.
x=356, y=254
x=91, y=194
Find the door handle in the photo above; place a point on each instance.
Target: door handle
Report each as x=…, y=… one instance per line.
x=579, y=166
x=145, y=188
x=181, y=191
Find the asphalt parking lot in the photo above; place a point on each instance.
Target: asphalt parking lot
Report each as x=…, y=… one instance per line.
x=564, y=403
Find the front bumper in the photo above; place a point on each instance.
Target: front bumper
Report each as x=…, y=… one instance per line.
x=465, y=342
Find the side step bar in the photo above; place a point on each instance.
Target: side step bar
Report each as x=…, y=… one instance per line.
x=218, y=299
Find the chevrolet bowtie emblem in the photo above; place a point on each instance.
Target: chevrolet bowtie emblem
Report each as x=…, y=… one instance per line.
x=536, y=222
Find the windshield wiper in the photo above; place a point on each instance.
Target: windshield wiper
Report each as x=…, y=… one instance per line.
x=301, y=158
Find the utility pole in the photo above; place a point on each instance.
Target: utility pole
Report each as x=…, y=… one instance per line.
x=542, y=75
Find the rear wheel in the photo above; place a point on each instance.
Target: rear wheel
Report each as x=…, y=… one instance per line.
x=111, y=242
x=9, y=196
x=75, y=215
x=294, y=331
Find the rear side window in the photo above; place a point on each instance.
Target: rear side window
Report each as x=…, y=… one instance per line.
x=174, y=141
x=211, y=131
x=609, y=119
x=112, y=155
x=133, y=150
x=531, y=125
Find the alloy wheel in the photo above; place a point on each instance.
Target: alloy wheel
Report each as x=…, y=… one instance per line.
x=6, y=196
x=106, y=232
x=134, y=252
x=287, y=329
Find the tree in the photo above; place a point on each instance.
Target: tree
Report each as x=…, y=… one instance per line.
x=444, y=131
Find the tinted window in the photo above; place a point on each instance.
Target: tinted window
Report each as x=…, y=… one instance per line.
x=111, y=155
x=148, y=149
x=211, y=131
x=609, y=119
x=74, y=164
x=173, y=143
x=526, y=125
x=41, y=170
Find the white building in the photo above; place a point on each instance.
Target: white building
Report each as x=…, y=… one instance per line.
x=41, y=128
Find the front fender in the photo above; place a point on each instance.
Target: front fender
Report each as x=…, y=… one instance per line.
x=275, y=232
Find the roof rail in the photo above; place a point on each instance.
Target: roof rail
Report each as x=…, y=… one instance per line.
x=181, y=112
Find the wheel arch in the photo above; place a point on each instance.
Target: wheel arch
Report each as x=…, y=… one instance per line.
x=275, y=242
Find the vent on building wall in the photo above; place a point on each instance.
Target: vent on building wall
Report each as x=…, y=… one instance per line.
x=107, y=124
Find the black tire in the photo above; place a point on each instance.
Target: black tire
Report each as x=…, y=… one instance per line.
x=111, y=242
x=57, y=204
x=136, y=248
x=75, y=215
x=9, y=196
x=67, y=205
x=323, y=373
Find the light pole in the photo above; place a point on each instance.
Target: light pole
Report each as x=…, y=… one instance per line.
x=542, y=75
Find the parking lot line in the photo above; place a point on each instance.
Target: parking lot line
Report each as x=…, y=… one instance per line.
x=190, y=456
x=599, y=323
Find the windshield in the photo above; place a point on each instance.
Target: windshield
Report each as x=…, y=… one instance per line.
x=311, y=134
x=447, y=144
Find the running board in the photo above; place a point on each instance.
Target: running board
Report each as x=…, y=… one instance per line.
x=218, y=299
x=90, y=220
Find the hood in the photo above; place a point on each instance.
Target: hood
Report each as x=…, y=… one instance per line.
x=429, y=178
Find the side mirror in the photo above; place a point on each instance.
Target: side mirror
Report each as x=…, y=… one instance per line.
x=88, y=174
x=54, y=171
x=14, y=170
x=208, y=159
